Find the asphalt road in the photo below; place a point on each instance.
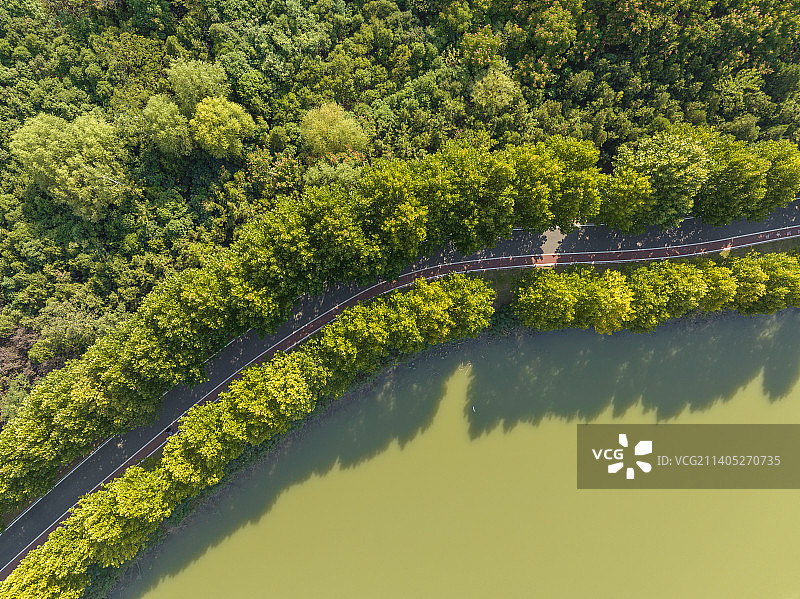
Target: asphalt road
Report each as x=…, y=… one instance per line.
x=587, y=244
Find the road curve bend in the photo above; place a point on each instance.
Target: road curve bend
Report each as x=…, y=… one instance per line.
x=588, y=245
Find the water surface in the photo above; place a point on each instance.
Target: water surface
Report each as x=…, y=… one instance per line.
x=454, y=476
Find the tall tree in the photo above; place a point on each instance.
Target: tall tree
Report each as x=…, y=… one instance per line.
x=193, y=80
x=330, y=128
x=783, y=177
x=677, y=167
x=78, y=163
x=220, y=126
x=736, y=183
x=166, y=126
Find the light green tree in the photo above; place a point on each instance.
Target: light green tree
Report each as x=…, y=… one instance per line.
x=390, y=204
x=627, y=196
x=783, y=177
x=677, y=167
x=649, y=306
x=193, y=80
x=751, y=284
x=219, y=127
x=535, y=170
x=782, y=285
x=330, y=128
x=57, y=570
x=494, y=93
x=605, y=303
x=683, y=286
x=15, y=395
x=577, y=198
x=721, y=287
x=547, y=300
x=267, y=400
x=78, y=163
x=210, y=436
x=117, y=519
x=166, y=126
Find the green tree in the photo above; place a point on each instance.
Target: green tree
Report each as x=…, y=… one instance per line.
x=167, y=127
x=536, y=176
x=219, y=127
x=604, y=302
x=330, y=128
x=274, y=251
x=649, y=305
x=69, y=327
x=117, y=519
x=721, y=286
x=498, y=101
x=547, y=300
x=342, y=251
x=677, y=167
x=783, y=177
x=577, y=199
x=469, y=193
x=627, y=197
x=736, y=182
x=15, y=395
x=150, y=15
x=390, y=204
x=193, y=80
x=782, y=284
x=751, y=284
x=78, y=163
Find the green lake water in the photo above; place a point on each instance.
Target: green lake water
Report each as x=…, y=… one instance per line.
x=403, y=490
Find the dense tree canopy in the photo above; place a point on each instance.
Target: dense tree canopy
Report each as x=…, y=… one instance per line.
x=175, y=174
x=640, y=298
x=686, y=170
x=123, y=190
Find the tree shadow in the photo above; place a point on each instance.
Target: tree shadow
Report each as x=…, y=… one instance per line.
x=394, y=407
x=601, y=238
x=520, y=243
x=686, y=364
x=516, y=379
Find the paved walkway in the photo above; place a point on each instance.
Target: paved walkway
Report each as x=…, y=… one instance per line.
x=587, y=245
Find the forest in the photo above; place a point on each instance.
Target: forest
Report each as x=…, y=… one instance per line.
x=137, y=137
x=175, y=173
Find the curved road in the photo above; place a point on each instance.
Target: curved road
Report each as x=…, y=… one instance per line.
x=597, y=245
